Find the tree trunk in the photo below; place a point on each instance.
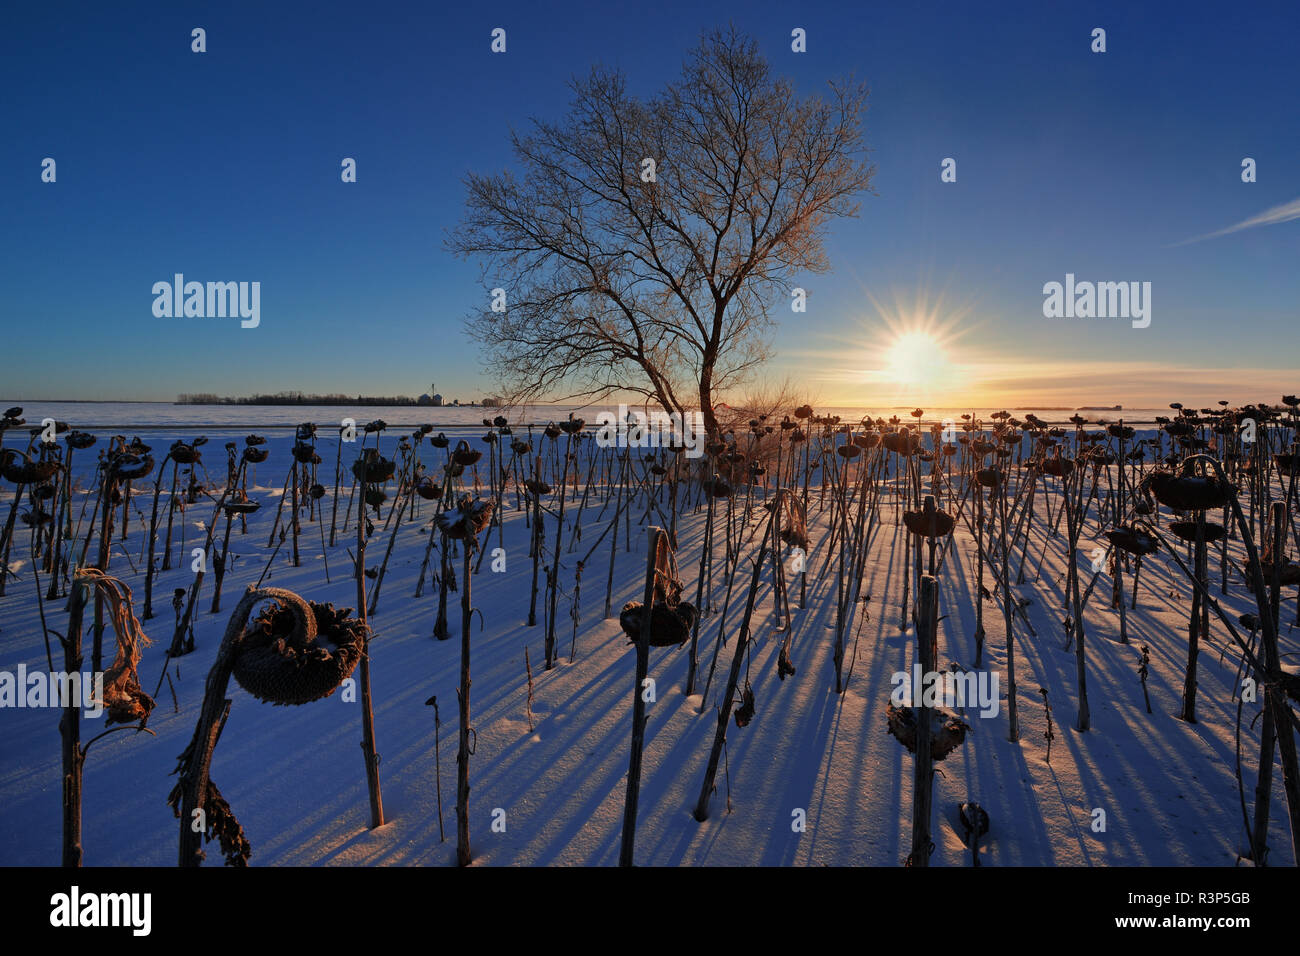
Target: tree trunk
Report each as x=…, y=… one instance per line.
x=706, y=400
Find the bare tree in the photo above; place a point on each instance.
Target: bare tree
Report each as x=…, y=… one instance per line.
x=643, y=241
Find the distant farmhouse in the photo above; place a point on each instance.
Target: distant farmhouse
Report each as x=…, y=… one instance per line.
x=432, y=399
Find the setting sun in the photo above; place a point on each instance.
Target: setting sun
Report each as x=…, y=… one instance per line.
x=915, y=359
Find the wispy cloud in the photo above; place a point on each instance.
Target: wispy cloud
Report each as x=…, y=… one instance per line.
x=1269, y=217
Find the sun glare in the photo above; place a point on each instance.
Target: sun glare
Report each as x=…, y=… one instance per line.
x=915, y=359
x=910, y=352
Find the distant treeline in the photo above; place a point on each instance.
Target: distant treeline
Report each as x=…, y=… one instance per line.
x=294, y=398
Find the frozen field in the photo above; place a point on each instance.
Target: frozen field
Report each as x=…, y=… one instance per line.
x=294, y=775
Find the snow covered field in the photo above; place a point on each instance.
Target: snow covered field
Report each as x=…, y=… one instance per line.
x=294, y=776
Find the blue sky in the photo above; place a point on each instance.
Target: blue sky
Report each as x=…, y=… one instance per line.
x=225, y=166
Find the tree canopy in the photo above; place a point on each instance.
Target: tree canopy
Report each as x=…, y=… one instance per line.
x=642, y=242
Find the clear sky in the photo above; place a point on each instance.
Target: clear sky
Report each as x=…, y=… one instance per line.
x=224, y=166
